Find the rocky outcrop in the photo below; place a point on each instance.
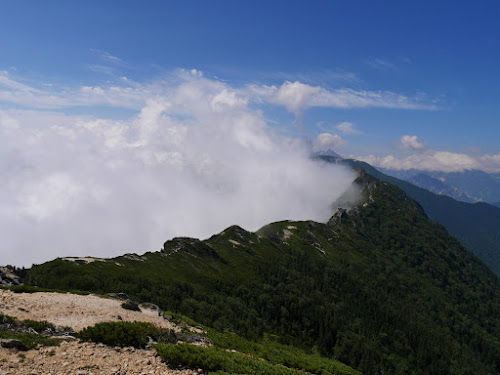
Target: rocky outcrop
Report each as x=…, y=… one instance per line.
x=8, y=278
x=131, y=305
x=191, y=246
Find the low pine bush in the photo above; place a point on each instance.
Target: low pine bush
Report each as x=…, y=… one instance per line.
x=38, y=326
x=31, y=340
x=220, y=361
x=120, y=333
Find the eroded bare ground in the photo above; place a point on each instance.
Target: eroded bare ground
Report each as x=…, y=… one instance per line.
x=84, y=359
x=74, y=357
x=72, y=310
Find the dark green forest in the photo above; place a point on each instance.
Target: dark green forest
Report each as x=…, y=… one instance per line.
x=380, y=287
x=475, y=225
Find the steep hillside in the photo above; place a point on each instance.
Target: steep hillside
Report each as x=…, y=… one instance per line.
x=381, y=287
x=477, y=226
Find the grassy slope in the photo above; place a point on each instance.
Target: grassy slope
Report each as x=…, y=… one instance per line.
x=381, y=288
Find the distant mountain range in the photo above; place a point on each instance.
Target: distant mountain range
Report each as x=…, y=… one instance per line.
x=467, y=186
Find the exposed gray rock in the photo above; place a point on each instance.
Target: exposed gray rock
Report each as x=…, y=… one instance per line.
x=120, y=295
x=8, y=278
x=150, y=306
x=131, y=305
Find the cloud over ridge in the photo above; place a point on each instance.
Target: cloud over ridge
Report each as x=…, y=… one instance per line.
x=195, y=159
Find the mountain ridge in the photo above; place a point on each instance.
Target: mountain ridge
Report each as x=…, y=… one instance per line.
x=475, y=225
x=379, y=287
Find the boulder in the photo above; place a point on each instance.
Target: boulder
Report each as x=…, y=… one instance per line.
x=131, y=305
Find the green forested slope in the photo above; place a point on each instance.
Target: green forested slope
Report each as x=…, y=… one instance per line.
x=477, y=225
x=381, y=288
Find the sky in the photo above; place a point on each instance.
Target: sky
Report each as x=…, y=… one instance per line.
x=142, y=115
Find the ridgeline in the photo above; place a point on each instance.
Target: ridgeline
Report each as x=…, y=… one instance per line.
x=379, y=287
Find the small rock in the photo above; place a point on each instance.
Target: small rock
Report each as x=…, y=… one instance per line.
x=150, y=306
x=118, y=295
x=131, y=305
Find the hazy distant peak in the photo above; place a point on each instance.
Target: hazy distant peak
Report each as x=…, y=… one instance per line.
x=329, y=152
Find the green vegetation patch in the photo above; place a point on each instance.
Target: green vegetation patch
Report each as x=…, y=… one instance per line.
x=38, y=326
x=120, y=333
x=7, y=318
x=214, y=359
x=268, y=349
x=31, y=340
x=272, y=351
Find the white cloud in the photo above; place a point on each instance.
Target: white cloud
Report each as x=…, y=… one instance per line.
x=411, y=142
x=195, y=159
x=490, y=162
x=347, y=128
x=427, y=159
x=435, y=161
x=327, y=141
x=297, y=97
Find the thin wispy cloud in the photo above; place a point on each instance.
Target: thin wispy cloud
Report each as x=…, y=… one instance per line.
x=298, y=96
x=14, y=91
x=106, y=56
x=295, y=96
x=102, y=69
x=380, y=64
x=322, y=77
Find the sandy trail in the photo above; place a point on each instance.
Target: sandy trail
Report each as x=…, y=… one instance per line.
x=72, y=310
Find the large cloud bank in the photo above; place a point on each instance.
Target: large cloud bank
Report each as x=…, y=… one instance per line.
x=194, y=160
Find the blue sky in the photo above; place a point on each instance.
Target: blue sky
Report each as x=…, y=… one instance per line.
x=443, y=57
x=155, y=119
